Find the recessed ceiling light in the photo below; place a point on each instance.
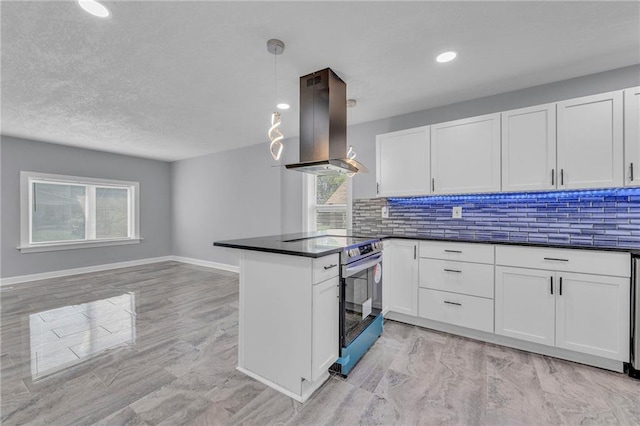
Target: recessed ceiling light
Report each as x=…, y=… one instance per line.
x=95, y=8
x=283, y=106
x=446, y=57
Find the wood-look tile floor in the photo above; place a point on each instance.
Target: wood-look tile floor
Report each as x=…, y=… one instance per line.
x=174, y=363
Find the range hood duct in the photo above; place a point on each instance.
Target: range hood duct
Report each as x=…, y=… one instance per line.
x=323, y=126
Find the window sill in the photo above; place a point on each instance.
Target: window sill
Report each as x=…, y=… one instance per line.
x=38, y=248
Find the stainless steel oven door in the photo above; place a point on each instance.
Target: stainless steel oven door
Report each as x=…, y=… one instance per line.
x=361, y=296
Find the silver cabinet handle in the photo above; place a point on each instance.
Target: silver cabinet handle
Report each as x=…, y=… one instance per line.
x=377, y=188
x=433, y=184
x=561, y=176
x=631, y=172
x=556, y=259
x=552, y=284
x=553, y=176
x=452, y=303
x=453, y=251
x=415, y=252
x=453, y=270
x=330, y=266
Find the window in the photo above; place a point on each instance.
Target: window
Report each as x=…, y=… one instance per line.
x=327, y=200
x=64, y=212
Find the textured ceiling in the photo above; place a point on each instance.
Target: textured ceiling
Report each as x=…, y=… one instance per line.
x=173, y=80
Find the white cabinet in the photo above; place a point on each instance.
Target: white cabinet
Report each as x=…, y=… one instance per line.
x=325, y=327
x=529, y=149
x=400, y=277
x=456, y=284
x=590, y=148
x=592, y=315
x=402, y=163
x=583, y=312
x=288, y=320
x=465, y=155
x=525, y=305
x=632, y=136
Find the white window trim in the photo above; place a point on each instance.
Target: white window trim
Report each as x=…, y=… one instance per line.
x=308, y=203
x=26, y=199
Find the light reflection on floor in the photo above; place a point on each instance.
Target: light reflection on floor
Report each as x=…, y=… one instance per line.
x=66, y=336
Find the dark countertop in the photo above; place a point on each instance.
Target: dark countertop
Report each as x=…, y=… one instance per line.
x=323, y=244
x=633, y=251
x=282, y=244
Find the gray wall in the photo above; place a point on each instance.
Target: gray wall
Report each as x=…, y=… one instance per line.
x=155, y=204
x=228, y=195
x=232, y=194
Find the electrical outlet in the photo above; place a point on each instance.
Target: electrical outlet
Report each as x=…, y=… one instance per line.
x=457, y=212
x=385, y=212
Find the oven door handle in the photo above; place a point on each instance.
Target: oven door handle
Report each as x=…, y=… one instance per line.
x=361, y=265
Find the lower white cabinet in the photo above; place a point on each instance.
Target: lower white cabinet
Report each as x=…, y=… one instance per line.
x=457, y=309
x=592, y=315
x=324, y=344
x=525, y=305
x=581, y=312
x=400, y=277
x=288, y=320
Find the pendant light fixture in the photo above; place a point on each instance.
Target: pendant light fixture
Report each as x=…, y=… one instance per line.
x=276, y=47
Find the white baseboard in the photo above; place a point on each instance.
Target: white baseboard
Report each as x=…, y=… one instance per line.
x=76, y=271
x=105, y=267
x=207, y=263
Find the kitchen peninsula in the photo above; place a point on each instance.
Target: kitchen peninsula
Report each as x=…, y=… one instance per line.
x=288, y=319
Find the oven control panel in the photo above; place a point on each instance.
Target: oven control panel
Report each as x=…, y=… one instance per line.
x=363, y=249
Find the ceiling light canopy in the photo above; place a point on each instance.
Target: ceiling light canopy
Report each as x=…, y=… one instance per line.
x=446, y=56
x=95, y=8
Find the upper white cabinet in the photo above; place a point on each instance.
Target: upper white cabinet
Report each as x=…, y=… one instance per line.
x=588, y=142
x=632, y=136
x=590, y=148
x=465, y=155
x=402, y=163
x=529, y=149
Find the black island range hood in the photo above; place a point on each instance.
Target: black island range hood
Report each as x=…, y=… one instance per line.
x=323, y=126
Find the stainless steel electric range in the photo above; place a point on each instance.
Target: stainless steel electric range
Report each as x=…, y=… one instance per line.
x=360, y=300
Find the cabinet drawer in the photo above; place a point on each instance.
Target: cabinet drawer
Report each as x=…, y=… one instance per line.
x=466, y=311
x=566, y=260
x=479, y=253
x=325, y=267
x=458, y=277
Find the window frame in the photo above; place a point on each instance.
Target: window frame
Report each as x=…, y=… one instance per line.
x=310, y=208
x=27, y=179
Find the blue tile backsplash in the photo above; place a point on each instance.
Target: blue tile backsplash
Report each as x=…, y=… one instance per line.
x=601, y=218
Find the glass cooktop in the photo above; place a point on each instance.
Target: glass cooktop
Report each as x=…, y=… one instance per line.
x=331, y=241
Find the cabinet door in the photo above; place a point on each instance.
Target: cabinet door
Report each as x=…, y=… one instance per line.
x=632, y=136
x=402, y=163
x=525, y=304
x=465, y=155
x=593, y=315
x=325, y=339
x=590, y=141
x=529, y=149
x=400, y=277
